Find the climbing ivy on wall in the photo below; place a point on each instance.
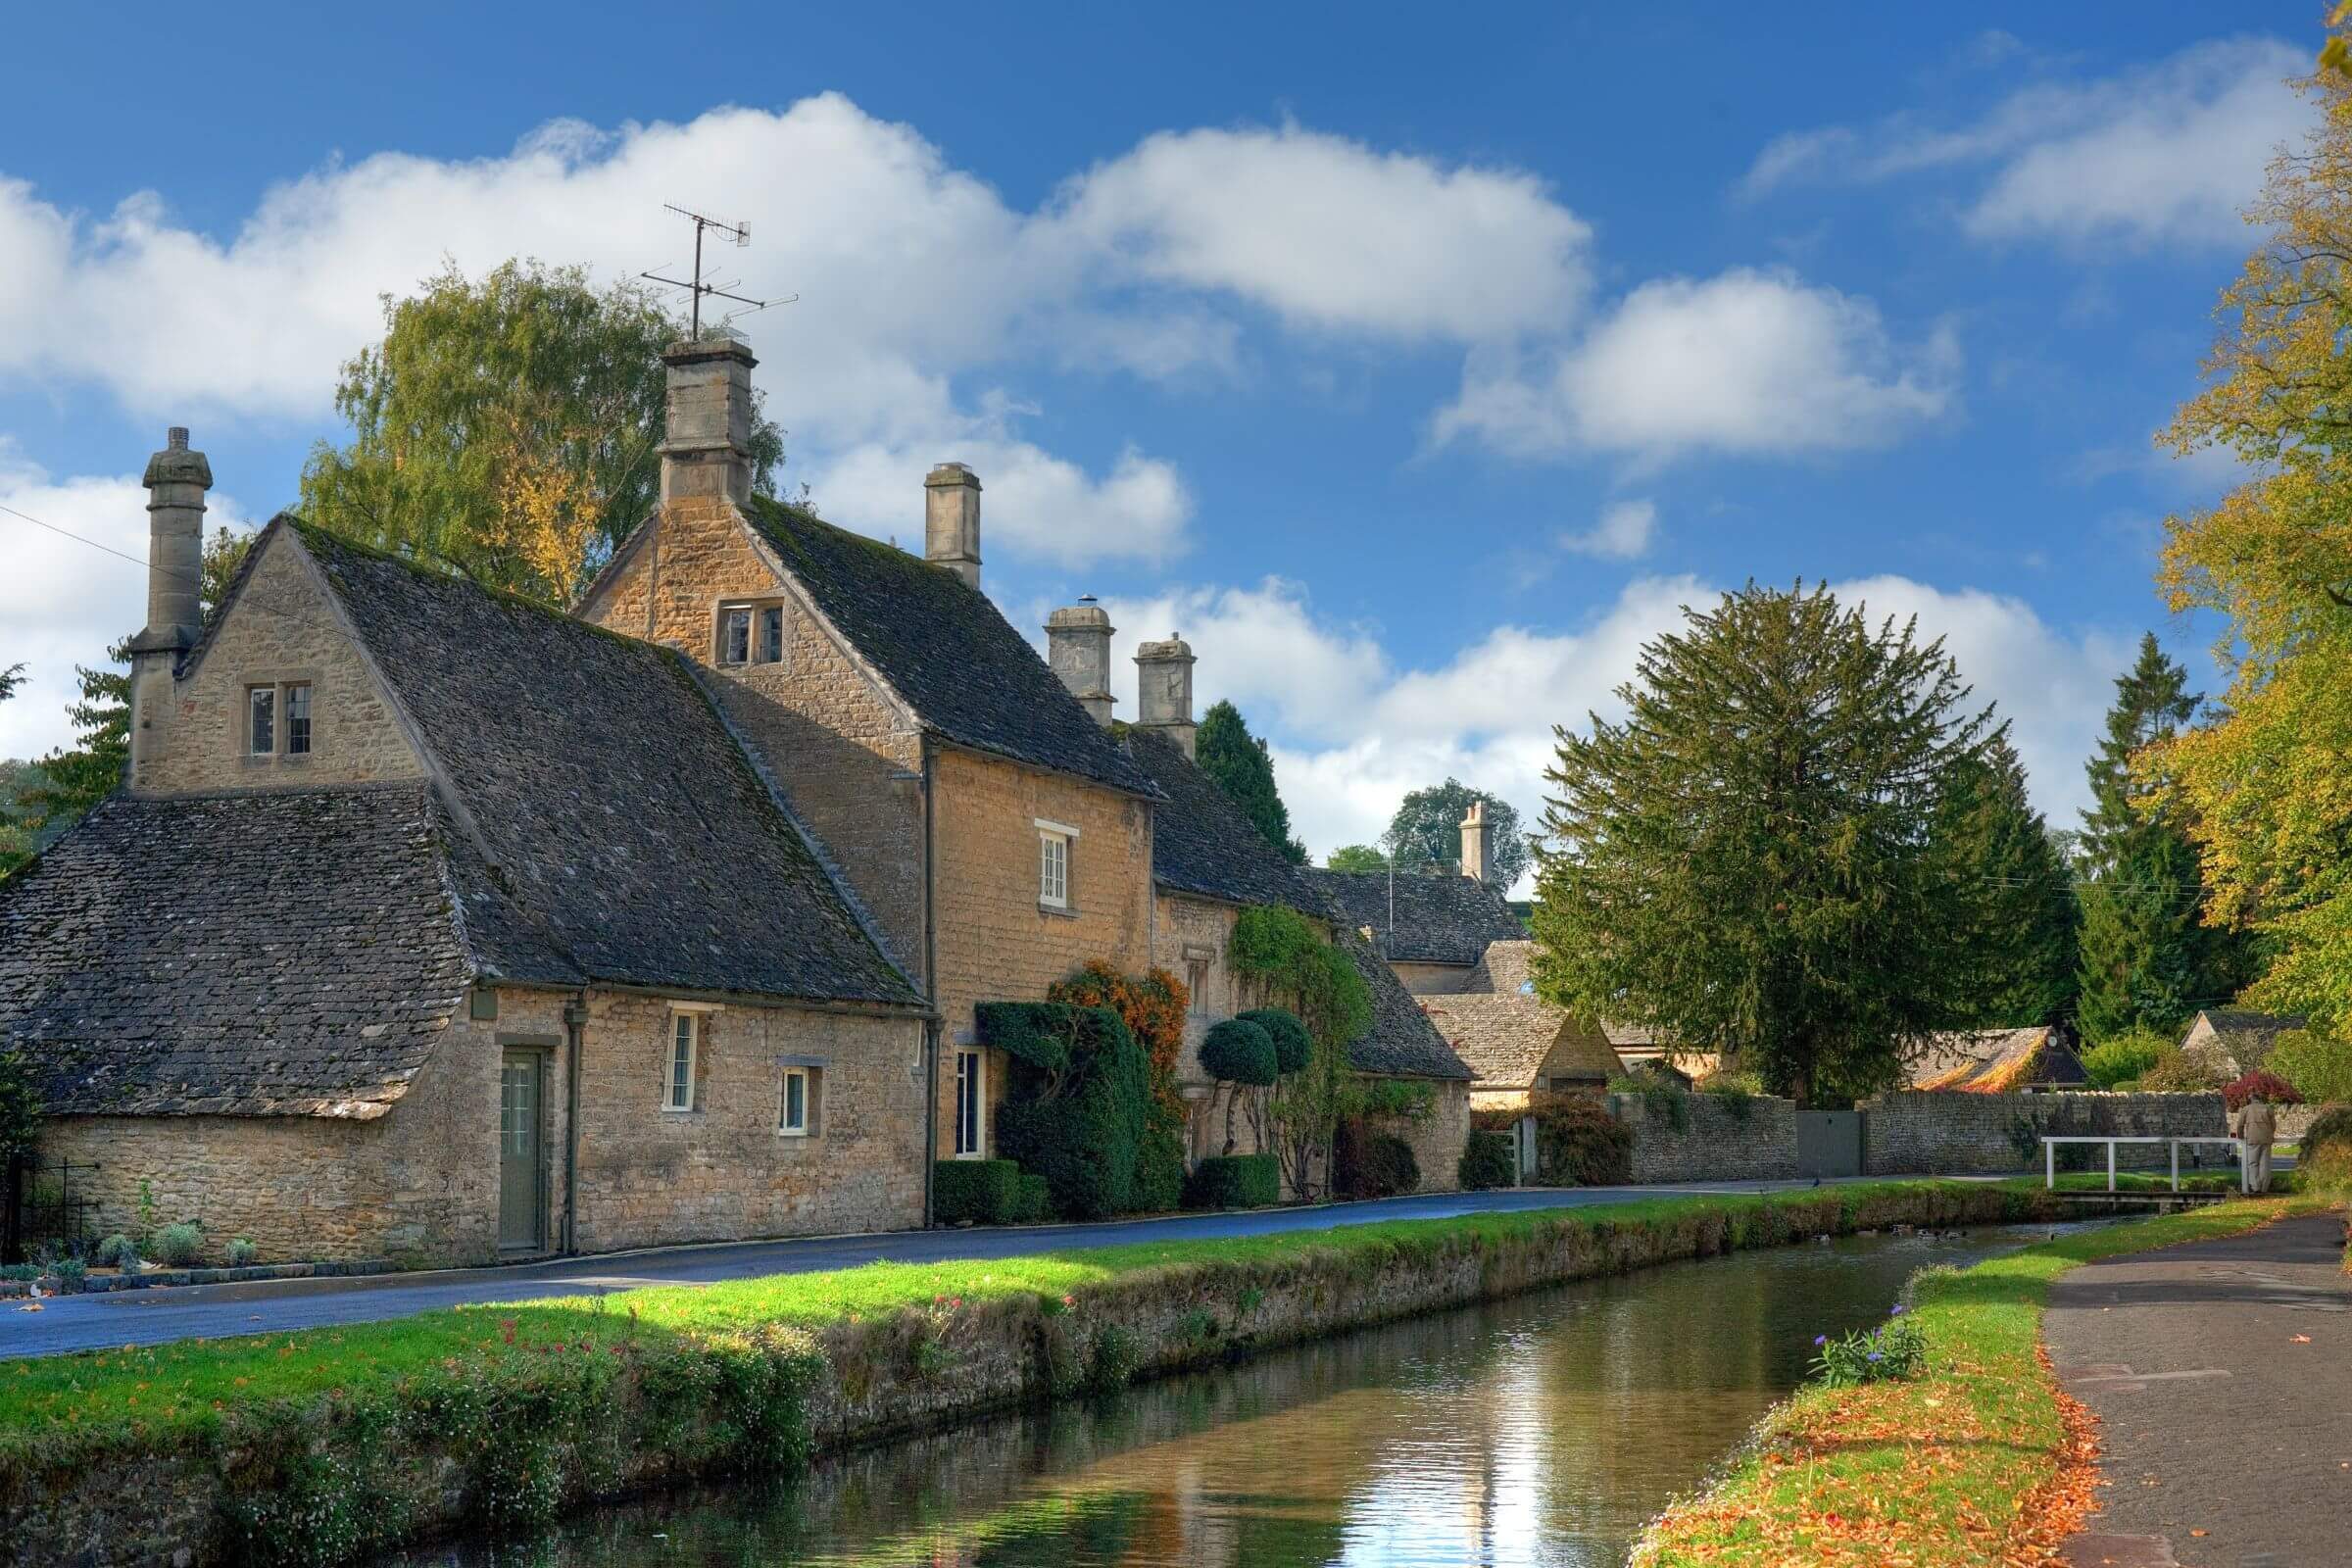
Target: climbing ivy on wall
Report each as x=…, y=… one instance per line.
x=1286, y=958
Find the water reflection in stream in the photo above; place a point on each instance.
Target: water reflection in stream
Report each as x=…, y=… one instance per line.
x=1545, y=1429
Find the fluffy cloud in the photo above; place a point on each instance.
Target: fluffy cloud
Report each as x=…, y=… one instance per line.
x=1040, y=504
x=1747, y=362
x=1623, y=532
x=2169, y=152
x=1351, y=731
x=62, y=599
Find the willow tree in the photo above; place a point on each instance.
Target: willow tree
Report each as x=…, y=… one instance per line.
x=2266, y=786
x=1749, y=863
x=508, y=426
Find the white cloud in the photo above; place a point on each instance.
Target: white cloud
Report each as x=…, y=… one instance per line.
x=1623, y=532
x=1330, y=233
x=2163, y=153
x=64, y=601
x=1746, y=362
x=1039, y=504
x=1351, y=730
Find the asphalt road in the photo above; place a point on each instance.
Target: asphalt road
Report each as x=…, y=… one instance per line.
x=268, y=1307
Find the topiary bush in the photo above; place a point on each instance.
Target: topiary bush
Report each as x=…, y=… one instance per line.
x=1033, y=1200
x=1293, y=1046
x=984, y=1192
x=1237, y=1051
x=1233, y=1181
x=1160, y=1164
x=1081, y=1127
x=1488, y=1161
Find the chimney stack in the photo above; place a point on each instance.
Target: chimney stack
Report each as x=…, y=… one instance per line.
x=1078, y=647
x=706, y=448
x=176, y=479
x=952, y=521
x=1476, y=841
x=1163, y=690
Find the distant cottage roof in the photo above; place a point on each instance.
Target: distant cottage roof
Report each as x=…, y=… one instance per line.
x=1438, y=919
x=188, y=955
x=1202, y=842
x=592, y=820
x=1995, y=1062
x=1504, y=1031
x=1403, y=1042
x=944, y=648
x=2237, y=1040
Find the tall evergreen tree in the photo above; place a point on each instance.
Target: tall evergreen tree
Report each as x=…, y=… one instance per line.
x=2025, y=908
x=1226, y=751
x=1749, y=861
x=2148, y=961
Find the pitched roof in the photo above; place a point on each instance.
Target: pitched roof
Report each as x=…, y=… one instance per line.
x=289, y=953
x=2241, y=1038
x=624, y=837
x=1506, y=1037
x=944, y=648
x=1438, y=919
x=1505, y=968
x=1202, y=842
x=1403, y=1042
x=1994, y=1061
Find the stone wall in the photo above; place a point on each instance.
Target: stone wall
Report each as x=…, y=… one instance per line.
x=1437, y=1139
x=283, y=627
x=1948, y=1131
x=1430, y=979
x=1719, y=1141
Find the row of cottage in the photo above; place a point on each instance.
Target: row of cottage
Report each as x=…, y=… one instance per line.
x=432, y=922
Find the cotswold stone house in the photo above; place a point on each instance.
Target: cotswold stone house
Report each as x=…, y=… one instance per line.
x=2232, y=1041
x=1209, y=864
x=996, y=835
x=432, y=922
x=1514, y=1041
x=1997, y=1061
x=1432, y=929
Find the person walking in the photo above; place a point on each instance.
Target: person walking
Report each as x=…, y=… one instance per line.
x=2254, y=1125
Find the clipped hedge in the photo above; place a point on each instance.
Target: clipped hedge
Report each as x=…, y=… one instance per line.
x=1033, y=1201
x=1488, y=1161
x=984, y=1192
x=1239, y=1051
x=1081, y=1126
x=1293, y=1044
x=1036, y=1034
x=1233, y=1181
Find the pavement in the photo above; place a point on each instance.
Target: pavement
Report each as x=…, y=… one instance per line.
x=268, y=1307
x=2220, y=1373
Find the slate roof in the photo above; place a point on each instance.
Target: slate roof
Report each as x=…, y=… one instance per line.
x=2237, y=1040
x=1202, y=842
x=1438, y=919
x=1506, y=1039
x=286, y=953
x=943, y=646
x=1403, y=1042
x=1995, y=1062
x=633, y=841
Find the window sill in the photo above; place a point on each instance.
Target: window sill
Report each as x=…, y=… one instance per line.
x=1059, y=911
x=797, y=1134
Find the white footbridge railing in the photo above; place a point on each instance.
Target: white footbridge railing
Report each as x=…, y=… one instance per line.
x=2049, y=1156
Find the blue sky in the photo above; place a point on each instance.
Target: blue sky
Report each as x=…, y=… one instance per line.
x=1415, y=374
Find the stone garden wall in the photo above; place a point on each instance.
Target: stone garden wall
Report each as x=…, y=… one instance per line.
x=1717, y=1139
x=1951, y=1133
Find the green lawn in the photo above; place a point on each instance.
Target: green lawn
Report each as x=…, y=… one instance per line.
x=1955, y=1469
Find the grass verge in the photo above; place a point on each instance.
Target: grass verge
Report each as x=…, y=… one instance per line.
x=321, y=1446
x=1978, y=1464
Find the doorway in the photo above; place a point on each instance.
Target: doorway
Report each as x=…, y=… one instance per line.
x=521, y=1151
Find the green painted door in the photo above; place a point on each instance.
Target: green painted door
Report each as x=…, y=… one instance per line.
x=521, y=1187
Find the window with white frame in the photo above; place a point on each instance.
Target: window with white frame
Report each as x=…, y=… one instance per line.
x=971, y=1102
x=683, y=1063
x=1054, y=842
x=751, y=634
x=798, y=1117
x=735, y=634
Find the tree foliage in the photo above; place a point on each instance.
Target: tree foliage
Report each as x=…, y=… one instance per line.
x=508, y=426
x=2266, y=789
x=1356, y=858
x=1224, y=749
x=1749, y=860
x=1282, y=955
x=2148, y=959
x=1427, y=832
x=2025, y=910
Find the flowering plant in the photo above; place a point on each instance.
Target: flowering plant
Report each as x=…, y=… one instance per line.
x=2260, y=1084
x=1896, y=1349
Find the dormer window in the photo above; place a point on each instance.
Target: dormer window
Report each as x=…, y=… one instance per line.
x=751, y=634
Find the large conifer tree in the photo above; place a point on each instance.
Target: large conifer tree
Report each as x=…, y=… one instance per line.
x=1749, y=860
x=1224, y=749
x=2025, y=905
x=2148, y=961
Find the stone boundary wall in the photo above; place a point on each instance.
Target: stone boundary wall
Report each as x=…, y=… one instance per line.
x=1954, y=1133
x=1720, y=1139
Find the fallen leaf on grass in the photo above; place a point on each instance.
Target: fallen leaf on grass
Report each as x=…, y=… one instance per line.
x=2302, y=1339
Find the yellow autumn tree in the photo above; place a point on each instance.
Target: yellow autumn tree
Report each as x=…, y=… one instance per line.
x=2268, y=787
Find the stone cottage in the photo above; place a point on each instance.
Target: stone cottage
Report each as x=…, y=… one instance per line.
x=433, y=923
x=1432, y=929
x=1209, y=864
x=2234, y=1041
x=1517, y=1043
x=1997, y=1061
x=995, y=834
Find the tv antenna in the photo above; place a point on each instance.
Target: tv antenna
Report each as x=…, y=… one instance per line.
x=740, y=234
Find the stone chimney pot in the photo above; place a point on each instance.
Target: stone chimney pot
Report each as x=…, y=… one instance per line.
x=1078, y=648
x=1477, y=842
x=1163, y=689
x=952, y=521
x=706, y=448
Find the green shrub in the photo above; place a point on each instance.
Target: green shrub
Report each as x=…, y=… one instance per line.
x=1488, y=1161
x=242, y=1252
x=1037, y=1033
x=1579, y=1143
x=2177, y=1072
x=113, y=1251
x=1893, y=1350
x=985, y=1192
x=1372, y=1164
x=2319, y=1067
x=1664, y=1097
x=69, y=1272
x=2324, y=1159
x=1033, y=1201
x=1233, y=1181
x=1293, y=1046
x=2110, y=1063
x=1160, y=1164
x=1239, y=1051
x=179, y=1245
x=1081, y=1128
